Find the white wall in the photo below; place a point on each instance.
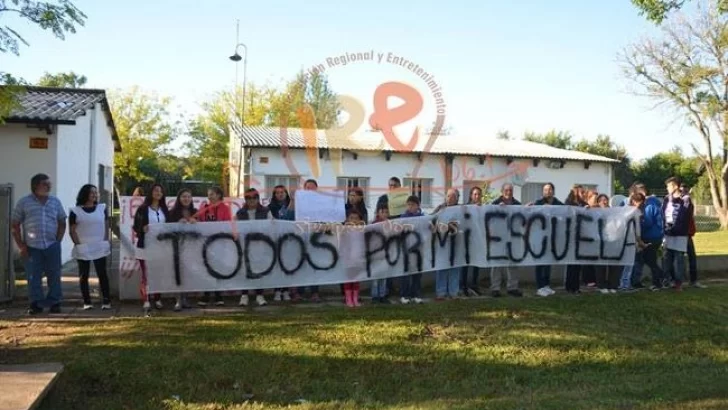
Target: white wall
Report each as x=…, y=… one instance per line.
x=563, y=179
x=18, y=163
x=371, y=165
x=104, y=148
x=464, y=168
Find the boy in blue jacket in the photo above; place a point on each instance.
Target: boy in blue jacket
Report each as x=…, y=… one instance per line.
x=411, y=285
x=652, y=233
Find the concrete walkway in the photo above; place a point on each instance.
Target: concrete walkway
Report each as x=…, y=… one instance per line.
x=22, y=387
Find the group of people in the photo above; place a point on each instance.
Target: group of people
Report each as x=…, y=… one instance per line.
x=39, y=225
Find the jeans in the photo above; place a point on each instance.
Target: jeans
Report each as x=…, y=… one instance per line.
x=625, y=282
x=496, y=278
x=674, y=265
x=379, y=288
x=692, y=261
x=84, y=269
x=543, y=276
x=474, y=283
x=410, y=286
x=648, y=256
x=44, y=261
x=572, y=277
x=447, y=282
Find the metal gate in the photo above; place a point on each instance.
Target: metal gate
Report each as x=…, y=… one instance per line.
x=7, y=268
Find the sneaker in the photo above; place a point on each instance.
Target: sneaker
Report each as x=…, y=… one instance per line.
x=34, y=309
x=591, y=285
x=604, y=291
x=158, y=304
x=495, y=293
x=244, y=300
x=697, y=285
x=286, y=296
x=87, y=306
x=106, y=306
x=654, y=288
x=404, y=301
x=418, y=301
x=260, y=300
x=220, y=302
x=612, y=290
x=550, y=291
x=202, y=303
x=515, y=293
x=543, y=292
x=473, y=292
x=677, y=286
x=177, y=307
x=278, y=296
x=147, y=306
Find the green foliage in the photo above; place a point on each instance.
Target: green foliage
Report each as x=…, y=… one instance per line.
x=657, y=10
x=62, y=80
x=603, y=146
x=60, y=17
x=145, y=131
x=656, y=169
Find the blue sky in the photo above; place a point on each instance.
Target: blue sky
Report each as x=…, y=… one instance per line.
x=518, y=66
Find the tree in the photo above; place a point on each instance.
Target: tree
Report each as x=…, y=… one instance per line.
x=655, y=170
x=306, y=102
x=503, y=135
x=603, y=146
x=62, y=80
x=60, y=17
x=145, y=131
x=557, y=139
x=209, y=133
x=686, y=69
x=657, y=10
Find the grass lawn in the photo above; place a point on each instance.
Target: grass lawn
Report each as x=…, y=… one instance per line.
x=711, y=243
x=633, y=351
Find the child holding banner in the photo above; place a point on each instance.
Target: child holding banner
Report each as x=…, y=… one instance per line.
x=214, y=211
x=411, y=285
x=152, y=211
x=379, y=286
x=279, y=204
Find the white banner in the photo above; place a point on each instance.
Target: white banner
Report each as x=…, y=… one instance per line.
x=129, y=270
x=278, y=254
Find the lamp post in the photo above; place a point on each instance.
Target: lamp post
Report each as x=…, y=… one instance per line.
x=237, y=58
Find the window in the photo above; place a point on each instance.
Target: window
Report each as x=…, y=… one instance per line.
x=344, y=183
x=421, y=188
x=271, y=181
x=590, y=187
x=531, y=192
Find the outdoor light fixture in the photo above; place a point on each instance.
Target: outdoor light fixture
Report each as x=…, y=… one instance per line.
x=237, y=58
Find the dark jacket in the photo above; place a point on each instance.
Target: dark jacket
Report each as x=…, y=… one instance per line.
x=362, y=210
x=652, y=221
x=383, y=202
x=542, y=201
x=408, y=214
x=682, y=209
x=260, y=213
x=500, y=200
x=177, y=214
x=279, y=208
x=141, y=219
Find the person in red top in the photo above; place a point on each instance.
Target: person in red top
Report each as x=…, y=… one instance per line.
x=215, y=210
x=692, y=258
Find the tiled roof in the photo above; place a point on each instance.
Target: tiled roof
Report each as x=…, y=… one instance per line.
x=445, y=144
x=49, y=105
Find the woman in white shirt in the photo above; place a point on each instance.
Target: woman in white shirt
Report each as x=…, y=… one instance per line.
x=89, y=230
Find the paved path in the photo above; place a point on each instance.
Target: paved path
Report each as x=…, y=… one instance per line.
x=22, y=387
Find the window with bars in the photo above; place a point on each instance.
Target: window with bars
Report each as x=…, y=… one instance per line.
x=531, y=191
x=271, y=181
x=421, y=188
x=344, y=183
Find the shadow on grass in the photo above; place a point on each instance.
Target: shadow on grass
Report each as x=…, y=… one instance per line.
x=595, y=351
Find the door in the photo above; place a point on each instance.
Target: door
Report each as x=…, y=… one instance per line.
x=7, y=269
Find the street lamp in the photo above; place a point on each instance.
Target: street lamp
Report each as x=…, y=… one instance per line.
x=237, y=58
